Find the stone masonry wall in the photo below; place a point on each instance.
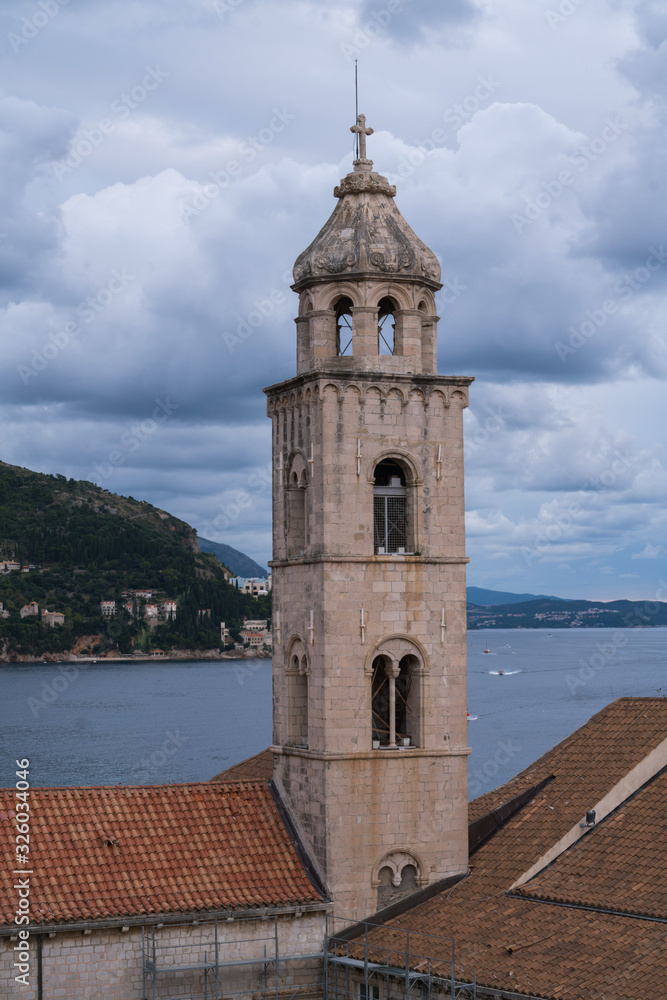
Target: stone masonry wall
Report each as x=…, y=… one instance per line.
x=353, y=804
x=107, y=964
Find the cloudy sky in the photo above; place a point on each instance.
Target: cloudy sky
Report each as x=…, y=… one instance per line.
x=165, y=161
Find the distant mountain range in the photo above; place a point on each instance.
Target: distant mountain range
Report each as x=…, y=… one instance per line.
x=478, y=595
x=239, y=563
x=553, y=613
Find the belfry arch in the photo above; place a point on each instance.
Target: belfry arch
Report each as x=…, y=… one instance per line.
x=396, y=668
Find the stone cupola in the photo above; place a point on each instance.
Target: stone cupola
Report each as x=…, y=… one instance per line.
x=366, y=283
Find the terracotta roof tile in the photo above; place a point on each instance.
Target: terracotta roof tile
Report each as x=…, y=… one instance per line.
x=121, y=851
x=522, y=945
x=620, y=864
x=257, y=768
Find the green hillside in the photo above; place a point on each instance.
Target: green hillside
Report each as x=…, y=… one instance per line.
x=87, y=545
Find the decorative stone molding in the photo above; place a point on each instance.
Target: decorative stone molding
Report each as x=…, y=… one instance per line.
x=395, y=647
x=396, y=861
x=415, y=477
x=448, y=391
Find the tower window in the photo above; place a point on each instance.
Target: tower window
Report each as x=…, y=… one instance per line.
x=343, y=310
x=395, y=689
x=390, y=509
x=386, y=326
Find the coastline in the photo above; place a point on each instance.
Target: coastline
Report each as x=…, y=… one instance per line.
x=175, y=656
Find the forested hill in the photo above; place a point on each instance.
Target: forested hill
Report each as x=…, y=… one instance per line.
x=84, y=545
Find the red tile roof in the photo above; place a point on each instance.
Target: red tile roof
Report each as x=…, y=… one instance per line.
x=127, y=851
x=619, y=865
x=257, y=768
x=532, y=947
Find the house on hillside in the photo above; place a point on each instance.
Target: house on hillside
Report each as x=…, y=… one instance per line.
x=108, y=608
x=167, y=610
x=253, y=586
x=3, y=613
x=52, y=618
x=256, y=633
x=29, y=609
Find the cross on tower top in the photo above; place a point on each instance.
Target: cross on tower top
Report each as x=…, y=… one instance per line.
x=362, y=131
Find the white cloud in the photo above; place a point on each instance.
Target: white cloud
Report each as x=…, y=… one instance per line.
x=546, y=423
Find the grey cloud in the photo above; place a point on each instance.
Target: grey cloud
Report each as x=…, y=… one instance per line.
x=420, y=19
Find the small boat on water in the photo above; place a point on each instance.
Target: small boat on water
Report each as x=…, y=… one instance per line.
x=501, y=672
x=487, y=650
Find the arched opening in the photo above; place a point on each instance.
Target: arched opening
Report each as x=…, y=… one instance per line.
x=390, y=513
x=395, y=702
x=297, y=694
x=296, y=513
x=407, y=702
x=395, y=885
x=386, y=326
x=343, y=311
x=380, y=702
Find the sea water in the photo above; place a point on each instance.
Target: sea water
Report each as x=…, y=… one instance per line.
x=163, y=722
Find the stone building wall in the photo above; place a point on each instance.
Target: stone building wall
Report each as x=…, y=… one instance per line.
x=107, y=964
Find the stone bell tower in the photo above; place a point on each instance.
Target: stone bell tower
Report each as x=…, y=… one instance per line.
x=369, y=666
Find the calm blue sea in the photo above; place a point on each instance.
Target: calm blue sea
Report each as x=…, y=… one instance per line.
x=154, y=723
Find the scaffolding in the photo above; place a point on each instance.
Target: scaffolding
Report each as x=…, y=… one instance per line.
x=350, y=966
x=216, y=970
x=421, y=966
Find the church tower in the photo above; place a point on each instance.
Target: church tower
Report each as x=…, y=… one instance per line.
x=369, y=666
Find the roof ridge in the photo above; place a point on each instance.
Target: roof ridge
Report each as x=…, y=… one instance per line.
x=111, y=788
x=634, y=779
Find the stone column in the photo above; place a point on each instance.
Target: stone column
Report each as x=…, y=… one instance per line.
x=392, y=671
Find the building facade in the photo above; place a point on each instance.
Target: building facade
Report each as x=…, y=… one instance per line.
x=369, y=663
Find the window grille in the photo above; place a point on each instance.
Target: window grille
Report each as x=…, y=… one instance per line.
x=390, y=518
x=369, y=992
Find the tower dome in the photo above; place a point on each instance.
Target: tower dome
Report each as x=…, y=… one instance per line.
x=366, y=283
x=366, y=236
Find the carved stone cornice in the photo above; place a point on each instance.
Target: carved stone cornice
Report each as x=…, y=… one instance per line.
x=310, y=388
